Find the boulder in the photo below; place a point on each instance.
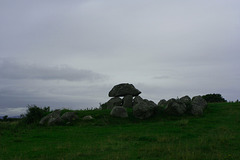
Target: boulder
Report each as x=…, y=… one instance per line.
x=44, y=120
x=162, y=103
x=119, y=111
x=69, y=116
x=151, y=103
x=52, y=118
x=55, y=118
x=123, y=90
x=116, y=101
x=198, y=105
x=87, y=118
x=187, y=101
x=144, y=109
x=128, y=101
x=175, y=107
x=137, y=100
x=55, y=121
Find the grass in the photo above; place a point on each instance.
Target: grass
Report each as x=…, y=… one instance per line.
x=213, y=136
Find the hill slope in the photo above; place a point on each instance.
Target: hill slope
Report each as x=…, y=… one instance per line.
x=215, y=135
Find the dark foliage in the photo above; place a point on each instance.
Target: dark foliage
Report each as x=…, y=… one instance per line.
x=35, y=113
x=212, y=98
x=5, y=118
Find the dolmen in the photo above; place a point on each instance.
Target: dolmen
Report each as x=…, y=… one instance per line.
x=125, y=96
x=125, y=90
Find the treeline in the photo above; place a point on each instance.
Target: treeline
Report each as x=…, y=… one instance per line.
x=214, y=98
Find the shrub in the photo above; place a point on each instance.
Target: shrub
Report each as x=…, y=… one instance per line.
x=34, y=114
x=5, y=118
x=211, y=98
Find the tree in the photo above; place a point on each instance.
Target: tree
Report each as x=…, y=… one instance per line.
x=211, y=98
x=35, y=113
x=5, y=118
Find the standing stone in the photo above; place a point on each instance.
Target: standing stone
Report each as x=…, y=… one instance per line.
x=198, y=105
x=175, y=107
x=52, y=118
x=55, y=121
x=187, y=101
x=119, y=111
x=144, y=109
x=162, y=103
x=137, y=100
x=69, y=116
x=149, y=102
x=128, y=101
x=123, y=90
x=116, y=101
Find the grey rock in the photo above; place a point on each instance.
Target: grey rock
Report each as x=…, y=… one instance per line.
x=144, y=109
x=55, y=121
x=123, y=90
x=52, y=118
x=119, y=111
x=128, y=101
x=55, y=118
x=87, y=118
x=162, y=103
x=137, y=100
x=198, y=105
x=44, y=120
x=175, y=107
x=69, y=116
x=187, y=101
x=116, y=101
x=170, y=101
x=151, y=103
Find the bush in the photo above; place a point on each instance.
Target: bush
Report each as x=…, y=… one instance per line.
x=5, y=118
x=211, y=98
x=34, y=114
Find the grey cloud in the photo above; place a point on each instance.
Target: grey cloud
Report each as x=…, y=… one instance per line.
x=50, y=93
x=15, y=70
x=110, y=27
x=12, y=111
x=169, y=48
x=161, y=77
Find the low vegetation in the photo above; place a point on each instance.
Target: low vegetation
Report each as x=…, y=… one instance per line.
x=34, y=114
x=214, y=98
x=213, y=136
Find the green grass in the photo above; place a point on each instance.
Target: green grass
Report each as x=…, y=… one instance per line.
x=213, y=136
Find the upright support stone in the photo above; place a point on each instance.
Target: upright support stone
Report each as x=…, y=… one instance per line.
x=137, y=100
x=116, y=101
x=119, y=111
x=128, y=101
x=144, y=109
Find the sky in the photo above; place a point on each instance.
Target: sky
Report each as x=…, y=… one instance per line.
x=69, y=54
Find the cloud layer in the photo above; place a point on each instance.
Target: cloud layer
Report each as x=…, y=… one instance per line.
x=13, y=70
x=70, y=53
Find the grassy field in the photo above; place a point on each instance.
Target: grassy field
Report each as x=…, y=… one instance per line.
x=213, y=136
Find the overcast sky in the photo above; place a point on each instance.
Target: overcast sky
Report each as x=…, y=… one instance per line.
x=69, y=54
